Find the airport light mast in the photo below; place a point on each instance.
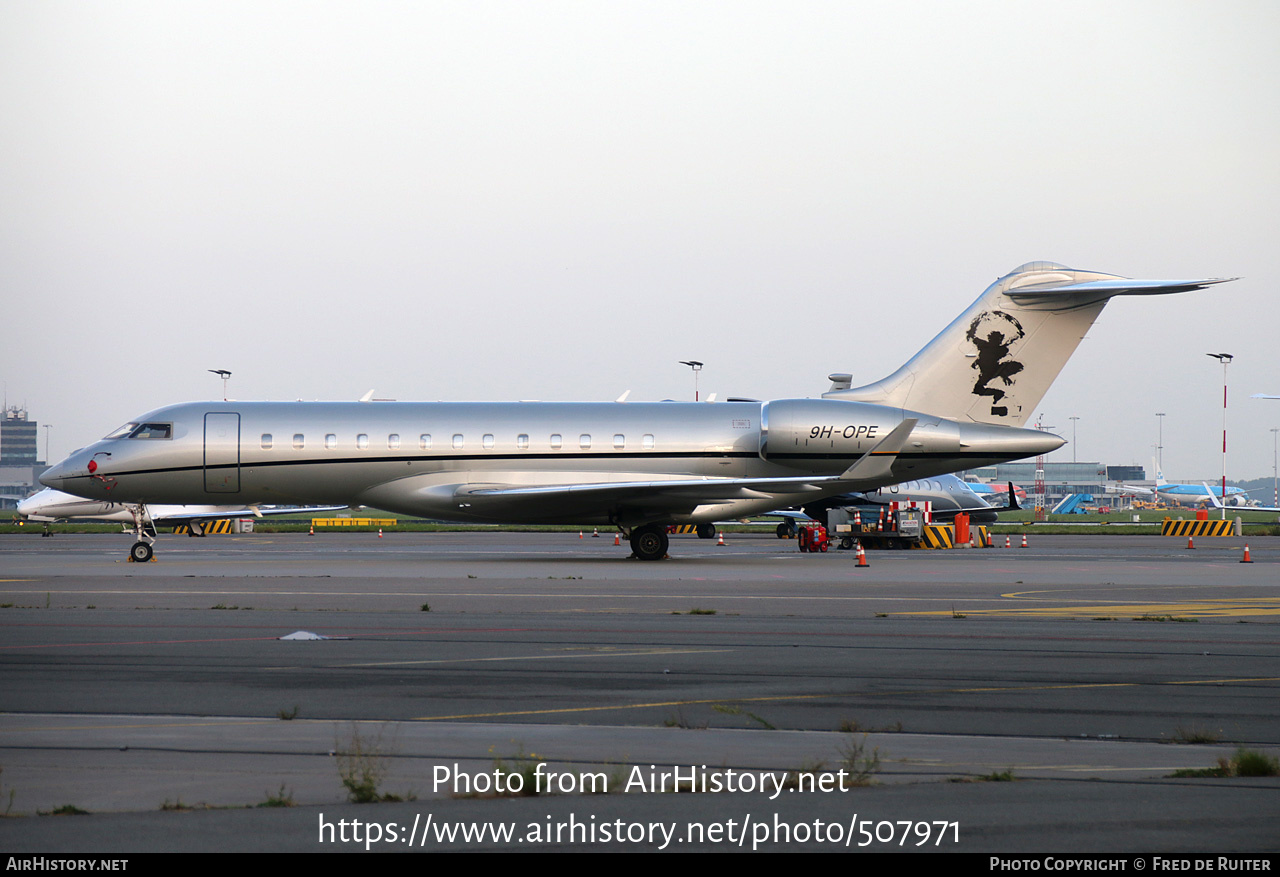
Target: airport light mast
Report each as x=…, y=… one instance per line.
x=1225, y=359
x=697, y=367
x=1160, y=444
x=224, y=374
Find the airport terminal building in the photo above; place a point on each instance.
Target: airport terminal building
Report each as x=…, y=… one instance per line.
x=1063, y=479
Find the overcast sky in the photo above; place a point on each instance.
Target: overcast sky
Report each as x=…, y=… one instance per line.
x=549, y=200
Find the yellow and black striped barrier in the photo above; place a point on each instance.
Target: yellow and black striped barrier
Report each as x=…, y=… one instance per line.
x=1183, y=527
x=223, y=527
x=683, y=529
x=353, y=522
x=944, y=536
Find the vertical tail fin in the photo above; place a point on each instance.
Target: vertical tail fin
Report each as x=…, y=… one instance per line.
x=995, y=362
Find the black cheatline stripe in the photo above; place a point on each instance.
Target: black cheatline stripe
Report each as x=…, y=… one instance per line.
x=604, y=455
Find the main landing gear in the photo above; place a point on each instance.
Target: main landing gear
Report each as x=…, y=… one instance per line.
x=649, y=542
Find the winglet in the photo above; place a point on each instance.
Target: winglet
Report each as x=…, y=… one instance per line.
x=878, y=462
x=1213, y=497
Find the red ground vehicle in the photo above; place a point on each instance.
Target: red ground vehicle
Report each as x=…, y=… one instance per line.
x=813, y=537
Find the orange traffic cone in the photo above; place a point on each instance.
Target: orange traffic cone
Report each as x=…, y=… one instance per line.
x=379, y=532
x=1008, y=541
x=1246, y=558
x=721, y=542
x=1024, y=540
x=862, y=556
x=579, y=534
x=595, y=534
x=616, y=539
x=1191, y=543
x=313, y=530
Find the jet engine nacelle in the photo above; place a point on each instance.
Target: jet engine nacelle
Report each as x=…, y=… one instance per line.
x=802, y=431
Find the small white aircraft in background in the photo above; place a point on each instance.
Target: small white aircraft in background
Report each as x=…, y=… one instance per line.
x=52, y=506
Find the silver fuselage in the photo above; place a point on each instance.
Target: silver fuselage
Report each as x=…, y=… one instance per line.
x=471, y=461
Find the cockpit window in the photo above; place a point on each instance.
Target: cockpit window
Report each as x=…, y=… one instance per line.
x=152, y=431
x=121, y=432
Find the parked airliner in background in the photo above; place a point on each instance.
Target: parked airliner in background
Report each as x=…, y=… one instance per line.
x=51, y=506
x=957, y=404
x=1186, y=495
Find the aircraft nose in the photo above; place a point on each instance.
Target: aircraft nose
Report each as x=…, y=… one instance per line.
x=52, y=477
x=55, y=476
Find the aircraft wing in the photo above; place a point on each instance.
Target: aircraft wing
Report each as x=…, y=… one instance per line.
x=1130, y=489
x=249, y=511
x=630, y=502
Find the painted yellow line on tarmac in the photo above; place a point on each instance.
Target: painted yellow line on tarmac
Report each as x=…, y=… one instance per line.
x=792, y=698
x=1198, y=608
x=598, y=654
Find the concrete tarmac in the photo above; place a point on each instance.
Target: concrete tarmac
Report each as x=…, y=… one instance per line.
x=1086, y=668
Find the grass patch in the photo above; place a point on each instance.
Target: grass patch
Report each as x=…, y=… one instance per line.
x=739, y=711
x=853, y=726
x=1002, y=776
x=700, y=612
x=860, y=762
x=281, y=798
x=362, y=767
x=1193, y=734
x=1244, y=763
x=64, y=810
x=677, y=720
x=1178, y=618
x=288, y=715
x=523, y=765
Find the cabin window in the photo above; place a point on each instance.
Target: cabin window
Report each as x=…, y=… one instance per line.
x=646, y=442
x=393, y=441
x=619, y=441
x=424, y=441
x=555, y=441
x=266, y=441
x=330, y=441
x=522, y=442
x=457, y=440
x=584, y=441
x=298, y=441
x=486, y=441
x=362, y=441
